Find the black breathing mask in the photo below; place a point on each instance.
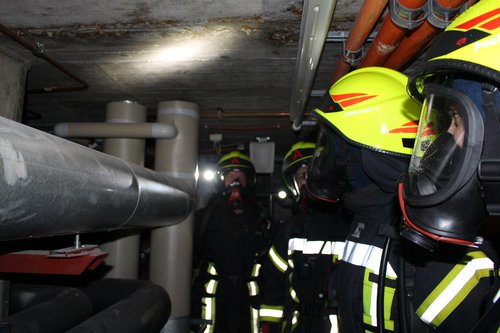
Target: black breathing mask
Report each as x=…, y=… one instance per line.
x=235, y=195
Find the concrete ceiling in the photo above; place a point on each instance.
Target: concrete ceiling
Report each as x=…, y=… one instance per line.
x=235, y=58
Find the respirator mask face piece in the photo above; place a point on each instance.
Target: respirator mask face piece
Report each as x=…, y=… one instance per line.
x=235, y=181
x=442, y=171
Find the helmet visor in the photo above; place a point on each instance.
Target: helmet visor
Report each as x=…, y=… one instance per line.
x=447, y=147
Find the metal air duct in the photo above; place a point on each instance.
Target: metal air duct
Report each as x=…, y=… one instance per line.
x=51, y=186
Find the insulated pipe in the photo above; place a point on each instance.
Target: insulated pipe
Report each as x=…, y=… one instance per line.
x=51, y=186
x=66, y=308
x=368, y=16
x=115, y=130
x=418, y=39
x=122, y=305
x=390, y=34
x=172, y=247
x=38, y=51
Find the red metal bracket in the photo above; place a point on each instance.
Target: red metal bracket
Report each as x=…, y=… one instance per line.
x=66, y=261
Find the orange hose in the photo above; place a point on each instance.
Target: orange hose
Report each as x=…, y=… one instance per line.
x=417, y=40
x=368, y=16
x=388, y=37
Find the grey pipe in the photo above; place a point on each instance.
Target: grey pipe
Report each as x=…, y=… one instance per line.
x=116, y=130
x=51, y=186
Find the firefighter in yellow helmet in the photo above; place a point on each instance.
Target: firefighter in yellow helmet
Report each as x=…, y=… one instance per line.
x=368, y=127
x=229, y=244
x=296, y=273
x=453, y=184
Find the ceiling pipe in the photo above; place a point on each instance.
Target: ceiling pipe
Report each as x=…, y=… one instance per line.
x=368, y=16
x=116, y=130
x=441, y=13
x=51, y=186
x=38, y=50
x=404, y=15
x=222, y=115
x=316, y=18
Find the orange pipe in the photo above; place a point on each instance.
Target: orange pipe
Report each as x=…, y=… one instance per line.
x=388, y=37
x=368, y=16
x=417, y=40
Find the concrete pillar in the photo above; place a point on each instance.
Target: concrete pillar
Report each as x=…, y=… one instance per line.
x=124, y=252
x=172, y=247
x=12, y=87
x=12, y=90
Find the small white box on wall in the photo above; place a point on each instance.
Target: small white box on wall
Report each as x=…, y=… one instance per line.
x=262, y=156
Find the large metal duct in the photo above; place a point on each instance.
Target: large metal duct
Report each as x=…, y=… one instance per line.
x=51, y=186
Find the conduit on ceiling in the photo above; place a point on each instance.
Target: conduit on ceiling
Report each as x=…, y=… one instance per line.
x=246, y=128
x=365, y=21
x=38, y=50
x=416, y=41
x=404, y=15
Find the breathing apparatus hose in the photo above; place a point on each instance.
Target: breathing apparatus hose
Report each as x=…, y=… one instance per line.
x=381, y=284
x=390, y=232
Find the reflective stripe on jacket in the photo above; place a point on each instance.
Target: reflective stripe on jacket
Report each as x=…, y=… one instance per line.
x=369, y=257
x=454, y=288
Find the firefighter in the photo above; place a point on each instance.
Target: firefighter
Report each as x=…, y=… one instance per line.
x=368, y=125
x=452, y=187
x=295, y=275
x=229, y=243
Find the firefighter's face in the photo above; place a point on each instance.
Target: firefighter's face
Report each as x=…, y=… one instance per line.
x=235, y=176
x=456, y=126
x=300, y=176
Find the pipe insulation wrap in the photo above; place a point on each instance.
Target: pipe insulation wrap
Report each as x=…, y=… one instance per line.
x=51, y=186
x=122, y=305
x=65, y=308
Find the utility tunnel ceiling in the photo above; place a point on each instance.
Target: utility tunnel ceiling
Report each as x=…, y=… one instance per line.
x=229, y=57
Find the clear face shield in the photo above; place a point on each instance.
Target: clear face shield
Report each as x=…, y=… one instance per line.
x=447, y=147
x=445, y=158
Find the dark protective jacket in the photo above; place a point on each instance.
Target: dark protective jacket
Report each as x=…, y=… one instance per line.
x=358, y=272
x=295, y=277
x=228, y=250
x=450, y=289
